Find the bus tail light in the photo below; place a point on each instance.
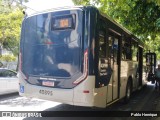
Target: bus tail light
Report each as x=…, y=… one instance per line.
x=85, y=91
x=20, y=67
x=85, y=69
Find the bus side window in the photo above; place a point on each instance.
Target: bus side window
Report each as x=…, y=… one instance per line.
x=126, y=50
x=102, y=47
x=134, y=51
x=115, y=49
x=123, y=50
x=102, y=60
x=110, y=50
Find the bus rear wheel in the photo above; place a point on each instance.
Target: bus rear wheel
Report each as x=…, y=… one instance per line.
x=128, y=92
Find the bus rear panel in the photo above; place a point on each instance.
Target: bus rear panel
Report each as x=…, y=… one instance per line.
x=53, y=59
x=78, y=57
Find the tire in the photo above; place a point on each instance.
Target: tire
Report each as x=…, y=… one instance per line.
x=128, y=92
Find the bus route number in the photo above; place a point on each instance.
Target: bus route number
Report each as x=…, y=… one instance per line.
x=46, y=92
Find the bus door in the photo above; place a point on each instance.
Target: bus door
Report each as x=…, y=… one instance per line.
x=113, y=51
x=151, y=65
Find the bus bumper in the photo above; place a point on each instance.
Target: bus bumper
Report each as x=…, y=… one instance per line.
x=81, y=95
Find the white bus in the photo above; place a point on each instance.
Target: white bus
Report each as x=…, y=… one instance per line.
x=80, y=57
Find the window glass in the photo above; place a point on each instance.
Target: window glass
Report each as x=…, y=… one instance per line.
x=49, y=51
x=9, y=73
x=134, y=50
x=2, y=73
x=126, y=49
x=101, y=46
x=110, y=47
x=115, y=49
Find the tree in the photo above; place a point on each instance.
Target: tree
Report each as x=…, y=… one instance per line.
x=10, y=30
x=10, y=24
x=141, y=17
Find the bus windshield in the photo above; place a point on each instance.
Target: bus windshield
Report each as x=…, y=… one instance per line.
x=51, y=44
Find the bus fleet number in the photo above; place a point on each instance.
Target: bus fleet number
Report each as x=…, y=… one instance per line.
x=46, y=92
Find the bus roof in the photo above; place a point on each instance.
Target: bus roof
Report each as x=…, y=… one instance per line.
x=89, y=7
x=54, y=9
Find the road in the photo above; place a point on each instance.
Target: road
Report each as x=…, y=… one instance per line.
x=147, y=99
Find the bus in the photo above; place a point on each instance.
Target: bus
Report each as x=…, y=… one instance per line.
x=78, y=56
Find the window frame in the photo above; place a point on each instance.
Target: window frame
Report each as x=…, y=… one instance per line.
x=70, y=16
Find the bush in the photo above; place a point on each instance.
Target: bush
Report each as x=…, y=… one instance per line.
x=7, y=58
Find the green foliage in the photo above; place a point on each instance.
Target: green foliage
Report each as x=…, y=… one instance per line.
x=10, y=24
x=10, y=30
x=7, y=58
x=144, y=17
x=141, y=17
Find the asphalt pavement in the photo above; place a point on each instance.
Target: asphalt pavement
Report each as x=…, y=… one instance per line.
x=146, y=100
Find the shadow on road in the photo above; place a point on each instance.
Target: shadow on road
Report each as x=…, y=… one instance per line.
x=10, y=95
x=14, y=100
x=146, y=99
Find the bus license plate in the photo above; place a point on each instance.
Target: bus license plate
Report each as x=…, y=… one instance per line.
x=48, y=83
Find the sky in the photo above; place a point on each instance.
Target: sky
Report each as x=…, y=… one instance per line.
x=39, y=5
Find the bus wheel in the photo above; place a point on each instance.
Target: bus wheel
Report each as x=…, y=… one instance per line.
x=128, y=92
